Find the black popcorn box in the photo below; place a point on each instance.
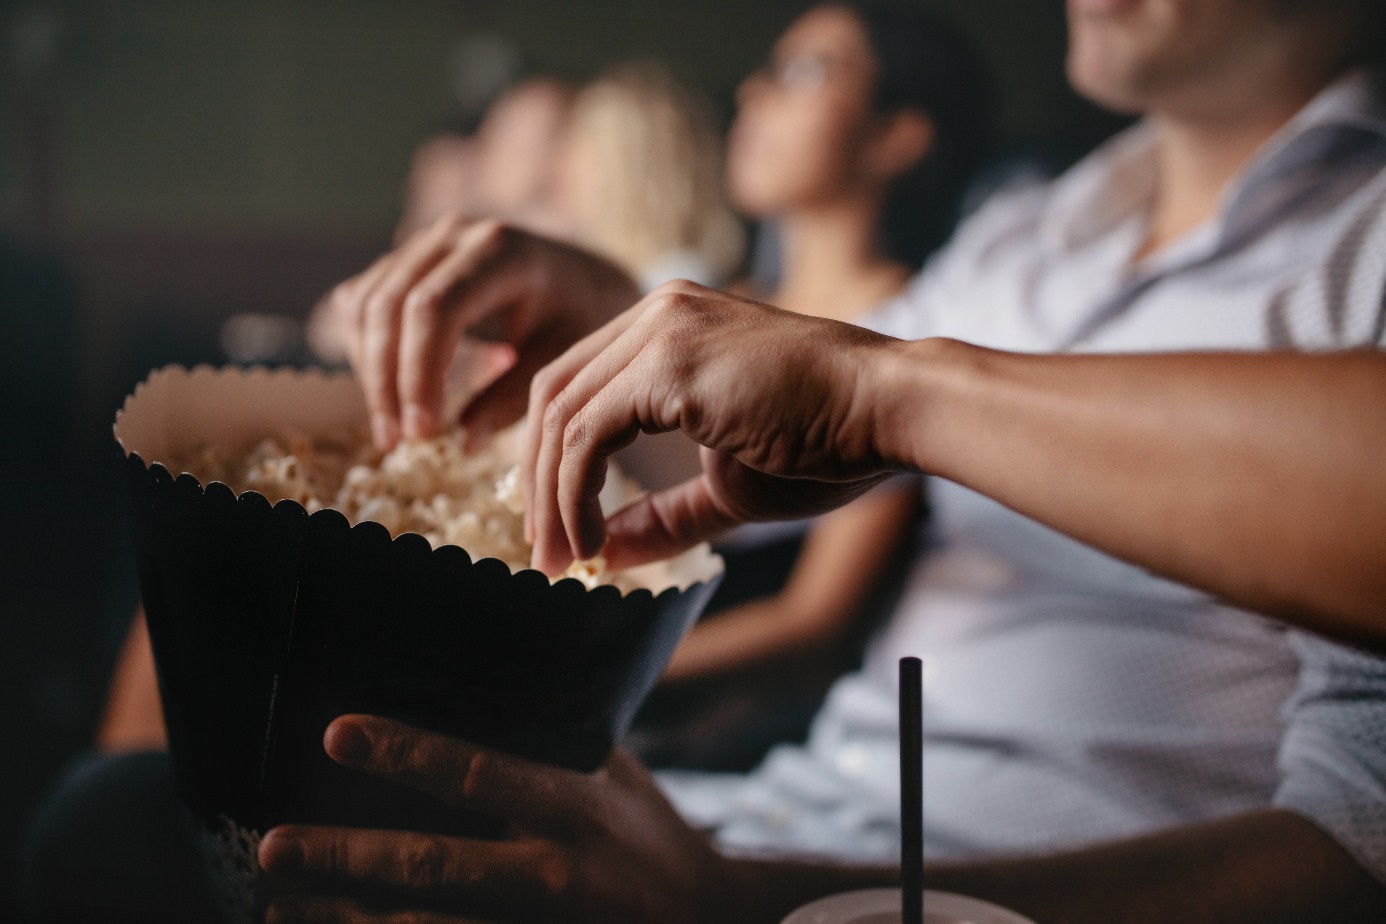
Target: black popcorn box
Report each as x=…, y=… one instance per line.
x=267, y=623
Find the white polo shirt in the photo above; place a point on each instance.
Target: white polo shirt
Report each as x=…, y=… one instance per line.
x=1070, y=698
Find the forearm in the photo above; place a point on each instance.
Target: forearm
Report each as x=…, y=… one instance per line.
x=1271, y=867
x=1255, y=477
x=134, y=719
x=743, y=635
x=765, y=891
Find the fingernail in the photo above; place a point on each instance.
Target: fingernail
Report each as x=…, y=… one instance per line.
x=347, y=744
x=385, y=431
x=419, y=422
x=281, y=853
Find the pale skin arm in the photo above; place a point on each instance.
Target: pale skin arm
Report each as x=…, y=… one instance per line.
x=134, y=719
x=843, y=558
x=1268, y=867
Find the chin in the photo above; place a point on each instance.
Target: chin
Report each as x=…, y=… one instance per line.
x=751, y=195
x=1110, y=91
x=1103, y=73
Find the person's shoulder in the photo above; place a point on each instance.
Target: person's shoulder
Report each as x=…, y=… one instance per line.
x=997, y=232
x=1009, y=209
x=1339, y=300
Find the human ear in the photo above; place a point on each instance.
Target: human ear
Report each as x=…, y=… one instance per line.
x=902, y=140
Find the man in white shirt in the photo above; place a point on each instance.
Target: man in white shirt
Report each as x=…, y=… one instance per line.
x=1071, y=700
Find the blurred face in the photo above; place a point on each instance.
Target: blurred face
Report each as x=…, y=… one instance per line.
x=577, y=172
x=801, y=122
x=1136, y=56
x=517, y=143
x=442, y=180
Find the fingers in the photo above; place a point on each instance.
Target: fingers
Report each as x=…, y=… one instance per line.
x=576, y=431
x=429, y=332
x=382, y=305
x=539, y=798
x=608, y=421
x=506, y=399
x=546, y=386
x=348, y=304
x=520, y=874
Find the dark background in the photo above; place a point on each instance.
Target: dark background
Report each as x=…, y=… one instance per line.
x=165, y=164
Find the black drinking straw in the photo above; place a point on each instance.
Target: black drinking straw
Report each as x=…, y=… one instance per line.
x=911, y=791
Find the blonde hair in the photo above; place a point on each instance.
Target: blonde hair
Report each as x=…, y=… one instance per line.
x=653, y=185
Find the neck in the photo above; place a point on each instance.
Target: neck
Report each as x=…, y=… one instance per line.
x=832, y=268
x=1201, y=149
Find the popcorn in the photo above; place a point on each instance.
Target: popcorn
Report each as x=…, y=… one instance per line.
x=431, y=487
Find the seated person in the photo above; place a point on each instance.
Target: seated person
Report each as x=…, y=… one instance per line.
x=639, y=179
x=1070, y=700
x=861, y=156
x=858, y=139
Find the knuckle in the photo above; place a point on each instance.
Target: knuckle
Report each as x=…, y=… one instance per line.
x=542, y=386
x=336, y=854
x=450, y=221
x=575, y=435
x=490, y=232
x=422, y=302
x=555, y=417
x=379, y=305
x=396, y=752
x=424, y=865
x=675, y=287
x=666, y=303
x=343, y=296
x=474, y=779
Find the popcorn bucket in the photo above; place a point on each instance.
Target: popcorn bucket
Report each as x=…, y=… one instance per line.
x=268, y=622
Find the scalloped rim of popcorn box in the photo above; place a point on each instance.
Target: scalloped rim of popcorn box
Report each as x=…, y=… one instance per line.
x=206, y=405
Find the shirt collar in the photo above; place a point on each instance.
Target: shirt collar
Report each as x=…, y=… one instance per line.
x=1115, y=184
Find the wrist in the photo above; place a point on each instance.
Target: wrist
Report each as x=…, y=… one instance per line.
x=919, y=385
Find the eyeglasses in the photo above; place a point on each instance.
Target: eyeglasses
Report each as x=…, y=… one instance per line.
x=806, y=71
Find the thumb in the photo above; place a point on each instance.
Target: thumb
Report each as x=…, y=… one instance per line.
x=665, y=523
x=727, y=493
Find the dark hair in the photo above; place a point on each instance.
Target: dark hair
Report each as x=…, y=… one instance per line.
x=926, y=61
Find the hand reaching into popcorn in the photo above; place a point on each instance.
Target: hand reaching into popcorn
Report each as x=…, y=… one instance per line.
x=406, y=315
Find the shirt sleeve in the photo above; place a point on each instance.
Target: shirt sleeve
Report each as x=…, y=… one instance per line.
x=1341, y=303
x=1333, y=755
